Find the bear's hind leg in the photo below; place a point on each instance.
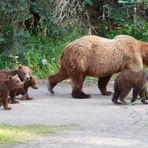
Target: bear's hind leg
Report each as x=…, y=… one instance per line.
x=143, y=96
x=135, y=94
x=77, y=84
x=102, y=84
x=123, y=95
x=54, y=79
x=115, y=97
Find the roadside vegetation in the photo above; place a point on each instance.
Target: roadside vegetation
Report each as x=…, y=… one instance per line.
x=35, y=32
x=15, y=134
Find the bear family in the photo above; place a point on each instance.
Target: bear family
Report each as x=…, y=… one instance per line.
x=24, y=73
x=98, y=57
x=6, y=86
x=128, y=80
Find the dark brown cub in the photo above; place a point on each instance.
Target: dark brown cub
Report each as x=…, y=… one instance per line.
x=6, y=86
x=24, y=90
x=128, y=80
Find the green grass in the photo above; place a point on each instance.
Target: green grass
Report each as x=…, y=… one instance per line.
x=15, y=134
x=36, y=50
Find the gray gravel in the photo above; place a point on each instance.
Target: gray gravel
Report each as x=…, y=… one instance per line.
x=98, y=123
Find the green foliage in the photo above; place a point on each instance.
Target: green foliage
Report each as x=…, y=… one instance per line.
x=13, y=32
x=48, y=25
x=129, y=17
x=43, y=53
x=20, y=46
x=42, y=48
x=11, y=14
x=87, y=2
x=139, y=31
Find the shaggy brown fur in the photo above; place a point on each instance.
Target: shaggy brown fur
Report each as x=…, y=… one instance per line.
x=24, y=91
x=99, y=57
x=6, y=86
x=128, y=80
x=24, y=74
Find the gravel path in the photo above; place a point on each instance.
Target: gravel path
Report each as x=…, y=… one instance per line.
x=97, y=122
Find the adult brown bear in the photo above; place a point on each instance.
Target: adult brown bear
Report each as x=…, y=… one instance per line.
x=98, y=57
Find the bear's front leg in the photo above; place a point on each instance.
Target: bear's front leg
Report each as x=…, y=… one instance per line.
x=24, y=96
x=28, y=98
x=77, y=84
x=102, y=84
x=13, y=97
x=5, y=103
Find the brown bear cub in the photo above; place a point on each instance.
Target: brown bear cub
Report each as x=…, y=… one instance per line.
x=128, y=80
x=6, y=86
x=24, y=73
x=24, y=90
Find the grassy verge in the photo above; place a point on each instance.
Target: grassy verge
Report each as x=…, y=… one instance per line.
x=43, y=53
x=12, y=134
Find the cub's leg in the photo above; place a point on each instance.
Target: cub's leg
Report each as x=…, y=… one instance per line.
x=102, y=84
x=146, y=94
x=5, y=102
x=26, y=97
x=135, y=94
x=115, y=97
x=123, y=94
x=54, y=79
x=77, y=84
x=143, y=95
x=13, y=97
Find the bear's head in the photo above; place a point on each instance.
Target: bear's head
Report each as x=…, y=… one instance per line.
x=34, y=83
x=24, y=72
x=15, y=81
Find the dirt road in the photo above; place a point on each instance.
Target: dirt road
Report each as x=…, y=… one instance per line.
x=98, y=123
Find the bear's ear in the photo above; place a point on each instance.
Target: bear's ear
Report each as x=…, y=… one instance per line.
x=31, y=67
x=9, y=77
x=20, y=67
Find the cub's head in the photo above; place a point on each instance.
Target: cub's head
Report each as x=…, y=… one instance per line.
x=34, y=83
x=16, y=82
x=24, y=72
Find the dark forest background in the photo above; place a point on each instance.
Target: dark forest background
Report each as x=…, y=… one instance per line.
x=34, y=32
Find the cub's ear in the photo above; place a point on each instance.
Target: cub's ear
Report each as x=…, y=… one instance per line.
x=20, y=67
x=31, y=67
x=9, y=77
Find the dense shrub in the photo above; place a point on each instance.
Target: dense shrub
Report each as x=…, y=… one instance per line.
x=34, y=32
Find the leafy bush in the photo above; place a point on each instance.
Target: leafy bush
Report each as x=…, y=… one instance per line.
x=139, y=31
x=59, y=23
x=12, y=13
x=43, y=53
x=129, y=17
